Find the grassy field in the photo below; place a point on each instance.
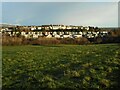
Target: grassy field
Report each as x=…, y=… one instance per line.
x=61, y=66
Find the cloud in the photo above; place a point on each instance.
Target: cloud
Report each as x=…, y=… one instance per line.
x=59, y=0
x=102, y=15
x=82, y=13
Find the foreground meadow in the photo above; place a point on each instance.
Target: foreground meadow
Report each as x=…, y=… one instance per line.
x=61, y=66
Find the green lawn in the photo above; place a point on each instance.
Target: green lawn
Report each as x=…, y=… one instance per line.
x=61, y=66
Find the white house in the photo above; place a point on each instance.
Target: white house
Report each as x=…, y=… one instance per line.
x=87, y=28
x=81, y=27
x=3, y=29
x=47, y=33
x=89, y=32
x=23, y=33
x=49, y=36
x=14, y=33
x=60, y=33
x=35, y=36
x=98, y=32
x=57, y=36
x=77, y=36
x=33, y=28
x=94, y=32
x=46, y=27
x=66, y=36
x=69, y=33
x=55, y=27
x=9, y=33
x=105, y=32
x=54, y=33
x=74, y=27
x=80, y=33
x=39, y=27
x=69, y=27
x=6, y=29
x=62, y=27
x=27, y=36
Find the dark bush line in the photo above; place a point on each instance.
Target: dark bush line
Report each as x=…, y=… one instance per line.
x=7, y=40
x=104, y=40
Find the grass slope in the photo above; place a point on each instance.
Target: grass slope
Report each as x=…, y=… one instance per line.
x=62, y=66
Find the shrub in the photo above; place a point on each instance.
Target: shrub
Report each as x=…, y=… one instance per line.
x=8, y=40
x=45, y=41
x=14, y=40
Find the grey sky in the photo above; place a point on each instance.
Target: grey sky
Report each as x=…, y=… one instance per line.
x=102, y=14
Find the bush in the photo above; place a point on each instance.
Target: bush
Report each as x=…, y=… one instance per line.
x=45, y=41
x=8, y=40
x=74, y=41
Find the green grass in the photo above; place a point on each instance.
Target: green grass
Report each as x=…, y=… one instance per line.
x=61, y=66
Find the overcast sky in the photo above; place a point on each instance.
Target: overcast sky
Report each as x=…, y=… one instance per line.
x=60, y=0
x=101, y=14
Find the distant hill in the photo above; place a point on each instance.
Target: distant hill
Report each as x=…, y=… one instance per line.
x=8, y=25
x=109, y=28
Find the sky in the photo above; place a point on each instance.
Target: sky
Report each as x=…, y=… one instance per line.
x=101, y=14
x=60, y=0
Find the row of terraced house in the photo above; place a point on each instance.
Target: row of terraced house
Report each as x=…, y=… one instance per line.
x=54, y=31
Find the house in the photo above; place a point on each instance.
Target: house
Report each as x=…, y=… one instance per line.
x=55, y=27
x=3, y=29
x=38, y=33
x=17, y=32
x=62, y=27
x=68, y=27
x=46, y=27
x=77, y=36
x=105, y=32
x=29, y=33
x=97, y=32
x=9, y=33
x=35, y=36
x=39, y=27
x=66, y=36
x=33, y=28
x=49, y=36
x=80, y=33
x=69, y=33
x=45, y=33
x=23, y=33
x=89, y=32
x=90, y=35
x=94, y=32
x=81, y=27
x=87, y=28
x=75, y=27
x=54, y=33
x=6, y=29
x=26, y=36
x=62, y=33
x=14, y=33
x=66, y=33
x=75, y=33
x=57, y=36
